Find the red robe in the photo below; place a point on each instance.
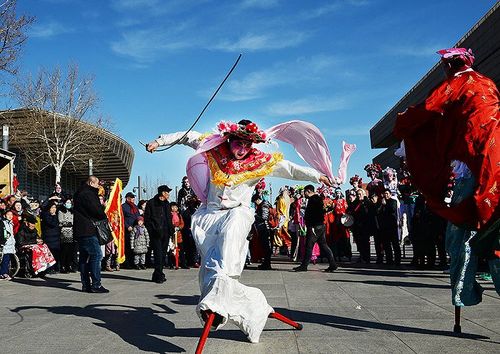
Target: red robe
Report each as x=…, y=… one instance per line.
x=458, y=121
x=339, y=230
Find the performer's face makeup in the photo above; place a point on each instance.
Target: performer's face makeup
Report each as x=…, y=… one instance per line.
x=240, y=148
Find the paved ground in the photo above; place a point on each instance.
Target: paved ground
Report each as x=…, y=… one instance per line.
x=361, y=310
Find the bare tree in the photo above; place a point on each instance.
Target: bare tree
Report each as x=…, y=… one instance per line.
x=59, y=118
x=150, y=186
x=12, y=35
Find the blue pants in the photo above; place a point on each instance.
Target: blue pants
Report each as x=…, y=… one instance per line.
x=466, y=291
x=90, y=262
x=4, y=268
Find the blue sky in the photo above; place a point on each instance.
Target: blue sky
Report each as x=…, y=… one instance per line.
x=338, y=64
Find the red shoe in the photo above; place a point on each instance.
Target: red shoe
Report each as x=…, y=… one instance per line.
x=196, y=265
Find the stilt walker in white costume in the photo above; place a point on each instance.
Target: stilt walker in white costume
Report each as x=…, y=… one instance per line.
x=223, y=173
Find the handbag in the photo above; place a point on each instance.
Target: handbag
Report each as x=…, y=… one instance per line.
x=104, y=234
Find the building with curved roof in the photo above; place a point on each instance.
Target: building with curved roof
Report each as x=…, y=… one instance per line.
x=114, y=161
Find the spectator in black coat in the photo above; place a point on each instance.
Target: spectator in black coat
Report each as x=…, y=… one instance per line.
x=389, y=228
x=263, y=229
x=130, y=215
x=87, y=210
x=374, y=211
x=192, y=255
x=314, y=219
x=158, y=221
x=185, y=193
x=364, y=226
x=51, y=233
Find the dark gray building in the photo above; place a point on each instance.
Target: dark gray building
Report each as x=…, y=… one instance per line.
x=115, y=156
x=484, y=40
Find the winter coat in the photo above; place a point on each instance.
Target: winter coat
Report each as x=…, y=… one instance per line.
x=25, y=236
x=262, y=215
x=8, y=233
x=156, y=220
x=51, y=232
x=129, y=216
x=66, y=224
x=87, y=209
x=178, y=227
x=139, y=239
x=389, y=216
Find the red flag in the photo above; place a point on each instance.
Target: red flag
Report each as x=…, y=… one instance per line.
x=115, y=216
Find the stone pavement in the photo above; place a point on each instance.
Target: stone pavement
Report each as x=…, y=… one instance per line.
x=354, y=310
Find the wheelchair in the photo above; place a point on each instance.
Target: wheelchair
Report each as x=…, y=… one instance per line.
x=14, y=264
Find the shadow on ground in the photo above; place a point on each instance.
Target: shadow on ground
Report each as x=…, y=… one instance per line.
x=138, y=326
x=356, y=325
x=403, y=284
x=64, y=284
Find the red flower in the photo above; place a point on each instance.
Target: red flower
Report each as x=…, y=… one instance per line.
x=252, y=128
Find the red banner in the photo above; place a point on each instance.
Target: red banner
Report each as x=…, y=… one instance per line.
x=114, y=212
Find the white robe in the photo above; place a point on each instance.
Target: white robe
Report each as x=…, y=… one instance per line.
x=220, y=228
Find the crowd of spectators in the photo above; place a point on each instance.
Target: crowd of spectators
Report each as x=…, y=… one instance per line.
x=385, y=213
x=307, y=224
x=58, y=235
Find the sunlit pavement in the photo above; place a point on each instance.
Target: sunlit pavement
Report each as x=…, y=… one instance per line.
x=359, y=309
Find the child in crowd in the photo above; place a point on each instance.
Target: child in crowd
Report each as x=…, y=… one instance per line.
x=178, y=224
x=139, y=243
x=9, y=244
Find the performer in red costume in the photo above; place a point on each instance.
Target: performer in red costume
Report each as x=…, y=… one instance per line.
x=455, y=131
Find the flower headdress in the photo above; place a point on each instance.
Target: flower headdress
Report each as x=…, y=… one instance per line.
x=249, y=131
x=373, y=167
x=390, y=174
x=355, y=178
x=261, y=184
x=463, y=54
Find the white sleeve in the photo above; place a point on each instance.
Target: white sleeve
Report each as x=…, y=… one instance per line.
x=289, y=170
x=192, y=139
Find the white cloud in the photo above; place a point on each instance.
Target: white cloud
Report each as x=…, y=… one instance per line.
x=320, y=11
x=145, y=46
x=307, y=105
x=47, y=30
x=425, y=50
x=261, y=4
x=255, y=84
x=256, y=42
x=127, y=5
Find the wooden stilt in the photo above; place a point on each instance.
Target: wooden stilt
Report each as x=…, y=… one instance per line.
x=206, y=331
x=286, y=320
x=457, y=328
x=209, y=317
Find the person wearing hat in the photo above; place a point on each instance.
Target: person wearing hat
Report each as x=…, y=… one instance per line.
x=454, y=131
x=223, y=173
x=130, y=215
x=158, y=221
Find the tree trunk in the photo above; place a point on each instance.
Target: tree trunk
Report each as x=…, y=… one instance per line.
x=58, y=173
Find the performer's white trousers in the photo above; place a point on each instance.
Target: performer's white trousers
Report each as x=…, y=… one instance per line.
x=221, y=238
